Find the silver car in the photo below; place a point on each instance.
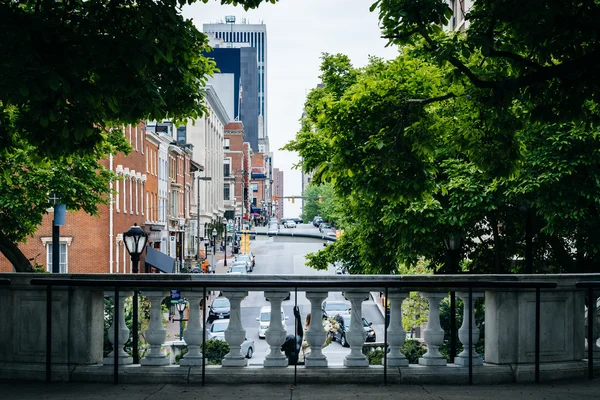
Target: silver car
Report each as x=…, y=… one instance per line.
x=217, y=331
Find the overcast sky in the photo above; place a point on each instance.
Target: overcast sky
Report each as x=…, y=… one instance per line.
x=298, y=32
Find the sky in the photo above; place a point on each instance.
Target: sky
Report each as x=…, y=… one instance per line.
x=298, y=32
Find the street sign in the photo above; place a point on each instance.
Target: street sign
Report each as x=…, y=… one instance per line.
x=175, y=295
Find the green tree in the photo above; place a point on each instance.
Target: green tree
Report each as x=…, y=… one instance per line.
x=77, y=70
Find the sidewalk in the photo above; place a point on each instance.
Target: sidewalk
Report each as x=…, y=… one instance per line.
x=564, y=390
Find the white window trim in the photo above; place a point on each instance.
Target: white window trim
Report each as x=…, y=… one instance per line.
x=47, y=241
x=130, y=195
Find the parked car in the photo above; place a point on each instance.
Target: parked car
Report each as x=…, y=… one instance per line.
x=298, y=220
x=248, y=258
x=242, y=261
x=324, y=226
x=290, y=223
x=264, y=320
x=317, y=220
x=329, y=233
x=219, y=309
x=238, y=269
x=340, y=268
x=217, y=331
x=344, y=323
x=331, y=308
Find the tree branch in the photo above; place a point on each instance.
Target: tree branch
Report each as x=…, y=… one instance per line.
x=432, y=99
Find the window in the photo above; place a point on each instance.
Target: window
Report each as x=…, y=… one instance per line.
x=254, y=187
x=182, y=134
x=226, y=167
x=117, y=193
x=125, y=195
x=63, y=257
x=131, y=195
x=226, y=195
x=226, y=144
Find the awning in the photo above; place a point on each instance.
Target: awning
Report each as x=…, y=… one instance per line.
x=160, y=260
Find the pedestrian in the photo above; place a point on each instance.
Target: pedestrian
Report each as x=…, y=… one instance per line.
x=292, y=347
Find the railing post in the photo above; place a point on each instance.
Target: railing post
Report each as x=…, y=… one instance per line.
x=315, y=334
x=433, y=334
x=193, y=331
x=356, y=335
x=468, y=334
x=118, y=331
x=395, y=332
x=275, y=334
x=156, y=332
x=235, y=333
x=537, y=335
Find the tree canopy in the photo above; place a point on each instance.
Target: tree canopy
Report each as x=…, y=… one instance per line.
x=487, y=134
x=74, y=71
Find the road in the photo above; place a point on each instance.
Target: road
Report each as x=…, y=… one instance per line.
x=289, y=259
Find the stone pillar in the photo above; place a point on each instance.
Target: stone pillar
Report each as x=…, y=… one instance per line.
x=356, y=335
x=193, y=331
x=124, y=358
x=433, y=334
x=156, y=332
x=315, y=334
x=275, y=334
x=396, y=333
x=464, y=335
x=235, y=333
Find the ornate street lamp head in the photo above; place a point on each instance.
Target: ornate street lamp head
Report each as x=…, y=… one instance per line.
x=135, y=240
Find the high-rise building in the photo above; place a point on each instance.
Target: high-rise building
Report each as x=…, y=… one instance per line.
x=278, y=193
x=245, y=35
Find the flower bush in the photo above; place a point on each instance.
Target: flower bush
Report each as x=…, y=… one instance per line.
x=331, y=327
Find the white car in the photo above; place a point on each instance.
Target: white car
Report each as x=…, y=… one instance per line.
x=273, y=228
x=239, y=269
x=217, y=331
x=264, y=320
x=290, y=224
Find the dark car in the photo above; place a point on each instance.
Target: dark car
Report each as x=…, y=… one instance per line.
x=220, y=308
x=298, y=220
x=344, y=323
x=317, y=220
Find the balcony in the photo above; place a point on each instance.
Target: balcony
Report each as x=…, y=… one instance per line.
x=534, y=329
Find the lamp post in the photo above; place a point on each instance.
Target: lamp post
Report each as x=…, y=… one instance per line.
x=181, y=306
x=135, y=241
x=214, y=242
x=200, y=178
x=225, y=243
x=452, y=244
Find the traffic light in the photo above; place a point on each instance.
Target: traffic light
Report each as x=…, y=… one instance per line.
x=293, y=199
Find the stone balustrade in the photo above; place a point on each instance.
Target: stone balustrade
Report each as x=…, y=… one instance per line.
x=77, y=336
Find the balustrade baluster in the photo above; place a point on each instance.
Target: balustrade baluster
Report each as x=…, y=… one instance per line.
x=433, y=333
x=463, y=333
x=124, y=358
x=396, y=333
x=156, y=334
x=356, y=335
x=315, y=334
x=275, y=334
x=193, y=331
x=235, y=334
x=596, y=327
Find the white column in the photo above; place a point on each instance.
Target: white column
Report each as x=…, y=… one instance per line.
x=193, y=331
x=315, y=334
x=356, y=335
x=433, y=334
x=235, y=333
x=463, y=332
x=275, y=334
x=123, y=331
x=396, y=333
x=156, y=332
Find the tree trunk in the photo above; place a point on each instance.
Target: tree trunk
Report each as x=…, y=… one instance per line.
x=12, y=252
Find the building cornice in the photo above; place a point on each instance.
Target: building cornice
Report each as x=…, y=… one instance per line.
x=216, y=105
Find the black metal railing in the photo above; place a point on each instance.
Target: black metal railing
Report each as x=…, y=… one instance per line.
x=295, y=285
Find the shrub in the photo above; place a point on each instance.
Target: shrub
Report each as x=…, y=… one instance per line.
x=375, y=357
x=413, y=349
x=215, y=351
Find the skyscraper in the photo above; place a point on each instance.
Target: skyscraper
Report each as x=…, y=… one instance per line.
x=248, y=35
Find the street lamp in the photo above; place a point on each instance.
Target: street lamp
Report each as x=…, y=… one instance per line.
x=225, y=243
x=181, y=306
x=135, y=242
x=214, y=238
x=452, y=244
x=200, y=178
